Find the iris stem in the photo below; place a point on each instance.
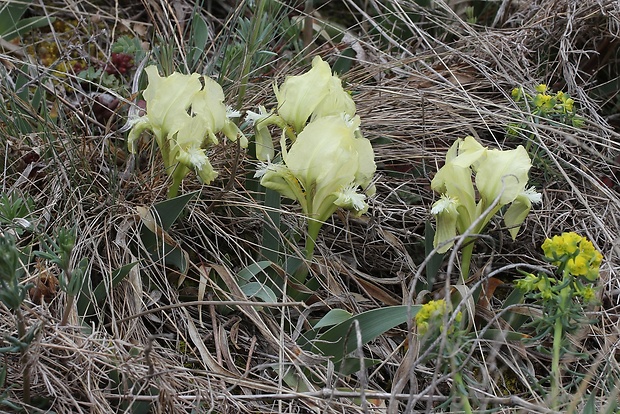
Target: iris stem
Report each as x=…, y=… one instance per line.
x=466, y=258
x=314, y=226
x=174, y=188
x=313, y=232
x=180, y=171
x=555, y=363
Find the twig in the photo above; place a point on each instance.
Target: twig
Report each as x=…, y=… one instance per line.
x=208, y=303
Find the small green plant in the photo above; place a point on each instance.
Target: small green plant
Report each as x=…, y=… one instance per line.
x=12, y=294
x=544, y=104
x=253, y=43
x=59, y=251
x=563, y=298
x=100, y=77
x=129, y=45
x=14, y=212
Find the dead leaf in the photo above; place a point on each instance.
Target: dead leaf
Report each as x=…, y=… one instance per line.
x=45, y=286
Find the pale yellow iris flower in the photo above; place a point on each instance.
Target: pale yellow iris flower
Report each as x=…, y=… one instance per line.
x=329, y=165
x=500, y=175
x=184, y=112
x=315, y=94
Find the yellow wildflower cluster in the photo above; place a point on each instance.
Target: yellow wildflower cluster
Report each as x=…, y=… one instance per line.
x=561, y=102
x=564, y=101
x=431, y=314
x=579, y=254
x=543, y=102
x=542, y=99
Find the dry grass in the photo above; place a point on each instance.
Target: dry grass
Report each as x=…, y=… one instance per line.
x=415, y=96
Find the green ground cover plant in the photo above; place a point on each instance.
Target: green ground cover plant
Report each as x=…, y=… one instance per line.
x=271, y=206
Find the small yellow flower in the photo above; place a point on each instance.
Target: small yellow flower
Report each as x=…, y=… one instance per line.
x=531, y=283
x=542, y=101
x=578, y=265
x=430, y=312
x=528, y=283
x=431, y=315
x=588, y=294
x=565, y=103
x=568, y=105
x=517, y=94
x=559, y=246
